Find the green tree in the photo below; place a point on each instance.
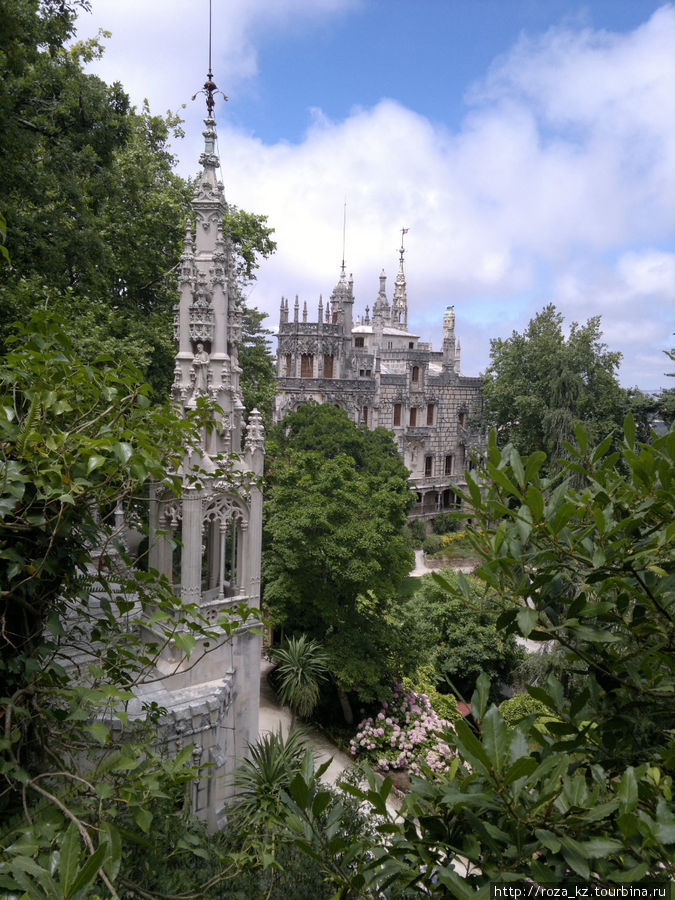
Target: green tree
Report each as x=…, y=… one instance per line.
x=334, y=548
x=466, y=641
x=257, y=381
x=540, y=385
x=251, y=237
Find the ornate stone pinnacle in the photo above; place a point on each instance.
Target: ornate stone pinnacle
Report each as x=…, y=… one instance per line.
x=255, y=433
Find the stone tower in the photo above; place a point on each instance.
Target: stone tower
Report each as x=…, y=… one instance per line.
x=208, y=540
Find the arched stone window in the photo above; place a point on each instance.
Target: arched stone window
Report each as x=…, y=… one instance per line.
x=307, y=365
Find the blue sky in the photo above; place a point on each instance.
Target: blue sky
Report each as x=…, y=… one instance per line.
x=528, y=145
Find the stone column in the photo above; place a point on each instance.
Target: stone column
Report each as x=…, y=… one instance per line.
x=214, y=553
x=191, y=557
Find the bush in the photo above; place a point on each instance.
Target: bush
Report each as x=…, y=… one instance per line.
x=406, y=734
x=433, y=544
x=444, y=523
x=418, y=530
x=521, y=705
x=424, y=682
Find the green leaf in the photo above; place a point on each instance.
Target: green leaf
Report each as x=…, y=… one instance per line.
x=533, y=464
x=69, y=860
x=481, y=695
x=186, y=643
x=548, y=839
x=517, y=467
x=114, y=854
x=99, y=731
x=143, y=818
x=320, y=803
x=535, y=501
x=495, y=737
x=95, y=462
x=299, y=791
x=471, y=747
x=527, y=620
x=629, y=429
x=520, y=768
x=122, y=451
x=597, y=848
x=88, y=871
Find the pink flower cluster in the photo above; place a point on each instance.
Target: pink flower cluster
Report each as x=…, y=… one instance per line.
x=406, y=734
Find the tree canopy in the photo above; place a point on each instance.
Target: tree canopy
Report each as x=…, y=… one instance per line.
x=334, y=550
x=540, y=385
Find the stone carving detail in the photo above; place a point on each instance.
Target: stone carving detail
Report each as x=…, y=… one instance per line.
x=222, y=509
x=200, y=370
x=255, y=437
x=201, y=314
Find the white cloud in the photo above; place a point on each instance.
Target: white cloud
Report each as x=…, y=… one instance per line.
x=565, y=160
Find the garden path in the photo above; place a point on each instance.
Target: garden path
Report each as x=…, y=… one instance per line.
x=273, y=715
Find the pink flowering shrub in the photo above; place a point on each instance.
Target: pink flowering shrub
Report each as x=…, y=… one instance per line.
x=406, y=734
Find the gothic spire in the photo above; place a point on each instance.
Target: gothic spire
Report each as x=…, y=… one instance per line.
x=400, y=301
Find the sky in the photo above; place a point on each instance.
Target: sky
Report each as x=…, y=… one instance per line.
x=528, y=146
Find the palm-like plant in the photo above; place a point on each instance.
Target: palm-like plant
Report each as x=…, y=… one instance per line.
x=272, y=763
x=301, y=666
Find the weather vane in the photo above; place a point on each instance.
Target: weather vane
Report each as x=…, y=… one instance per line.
x=210, y=88
x=404, y=231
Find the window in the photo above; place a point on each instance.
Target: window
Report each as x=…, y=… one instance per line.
x=397, y=413
x=415, y=374
x=428, y=466
x=358, y=342
x=461, y=418
x=289, y=365
x=307, y=365
x=365, y=415
x=430, y=413
x=389, y=345
x=410, y=345
x=327, y=366
x=448, y=464
x=413, y=417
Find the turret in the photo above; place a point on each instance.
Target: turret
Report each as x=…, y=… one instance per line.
x=342, y=302
x=399, y=306
x=449, y=339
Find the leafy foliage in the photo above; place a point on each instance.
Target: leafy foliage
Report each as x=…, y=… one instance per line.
x=464, y=634
x=334, y=548
x=301, y=667
x=78, y=435
x=589, y=797
x=258, y=386
x=540, y=385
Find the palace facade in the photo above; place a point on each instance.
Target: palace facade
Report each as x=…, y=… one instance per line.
x=381, y=374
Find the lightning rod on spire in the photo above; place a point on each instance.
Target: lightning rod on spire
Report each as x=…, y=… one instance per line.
x=210, y=88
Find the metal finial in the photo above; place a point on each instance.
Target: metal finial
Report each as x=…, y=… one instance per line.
x=404, y=231
x=210, y=88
